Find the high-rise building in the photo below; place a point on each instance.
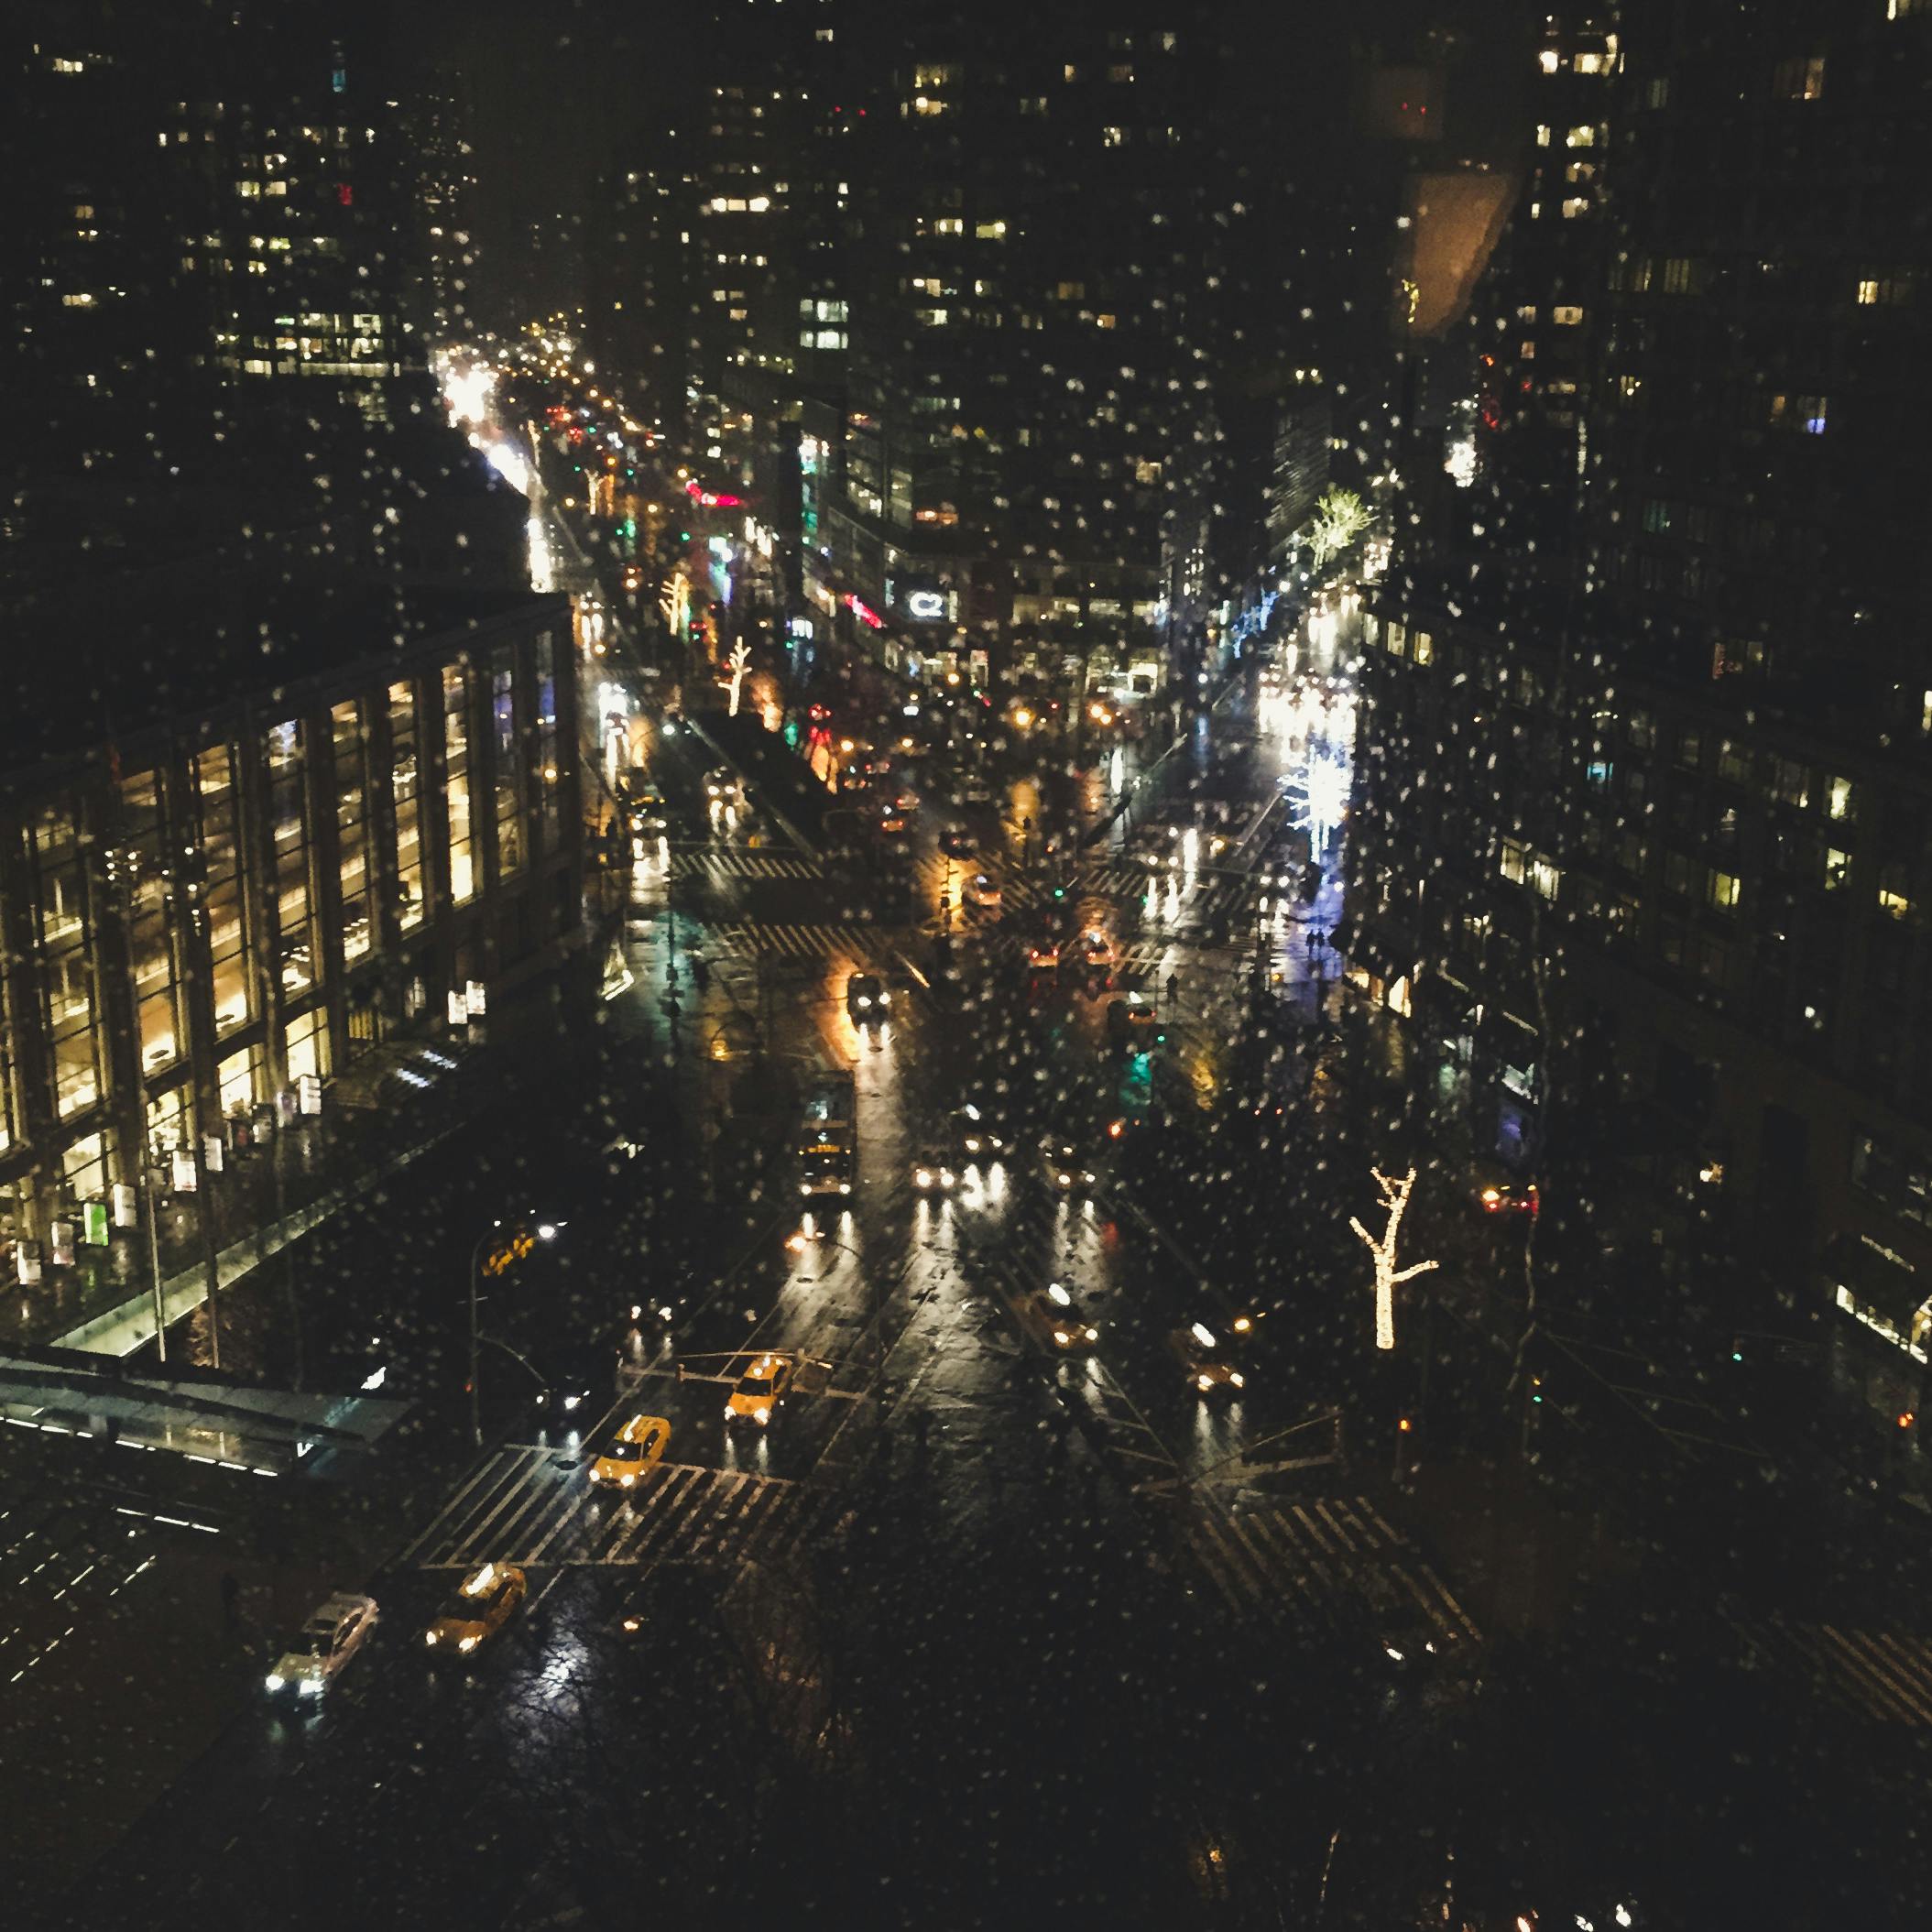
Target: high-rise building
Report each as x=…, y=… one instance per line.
x=1643, y=842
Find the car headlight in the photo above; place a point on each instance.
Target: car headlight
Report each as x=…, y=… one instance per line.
x=570, y=1401
x=468, y=1643
x=1203, y=1382
x=763, y=1416
x=1237, y=1377
x=627, y=1481
x=275, y=1680
x=633, y=1624
x=805, y=1187
x=310, y=1686
x=923, y=1177
x=1093, y=1334
x=865, y=1000
x=429, y=1637
x=972, y=1147
x=1392, y=1652
x=1066, y=1180
x=1062, y=1337
x=885, y=999
x=844, y=1187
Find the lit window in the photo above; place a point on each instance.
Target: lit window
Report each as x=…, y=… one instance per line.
x=1838, y=866
x=1425, y=648
x=1567, y=314
x=1514, y=864
x=1841, y=801
x=1592, y=64
x=1891, y=898
x=1724, y=891
x=1799, y=80
x=1550, y=60
x=989, y=231
x=1584, y=136
x=1546, y=877
x=1574, y=207
x=1543, y=135
x=1113, y=136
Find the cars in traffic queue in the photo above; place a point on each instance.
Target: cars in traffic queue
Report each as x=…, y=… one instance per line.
x=1055, y=1320
x=933, y=1175
x=335, y=1631
x=893, y=823
x=1205, y=1359
x=1097, y=952
x=867, y=997
x=636, y=1447
x=1042, y=954
x=1132, y=1025
x=758, y=1387
x=724, y=785
x=482, y=1604
x=956, y=842
x=982, y=893
x=976, y=1137
x=572, y=1383
x=1067, y=1169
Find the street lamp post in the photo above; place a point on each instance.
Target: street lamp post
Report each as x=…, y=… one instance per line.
x=475, y=1344
x=545, y=1231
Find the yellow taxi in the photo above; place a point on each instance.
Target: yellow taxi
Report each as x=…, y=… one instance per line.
x=639, y=1444
x=760, y=1382
x=482, y=1604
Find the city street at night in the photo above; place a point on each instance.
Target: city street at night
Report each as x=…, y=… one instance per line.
x=963, y=970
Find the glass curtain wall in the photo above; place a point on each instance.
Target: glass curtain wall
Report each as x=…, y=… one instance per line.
x=508, y=777
x=352, y=825
x=67, y=979
x=157, y=1021
x=405, y=778
x=548, y=798
x=233, y=974
x=456, y=781
x=288, y=818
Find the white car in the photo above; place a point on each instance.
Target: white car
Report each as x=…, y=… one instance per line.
x=981, y=892
x=332, y=1634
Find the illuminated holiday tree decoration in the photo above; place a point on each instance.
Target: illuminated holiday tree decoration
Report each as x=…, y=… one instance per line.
x=1395, y=1199
x=740, y=657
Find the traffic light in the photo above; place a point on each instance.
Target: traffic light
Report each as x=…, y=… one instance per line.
x=1405, y=1425
x=1535, y=1388
x=1059, y=892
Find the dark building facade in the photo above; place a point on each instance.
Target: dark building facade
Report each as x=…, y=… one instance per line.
x=1643, y=838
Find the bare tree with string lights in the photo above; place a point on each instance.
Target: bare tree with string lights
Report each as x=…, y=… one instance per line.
x=1388, y=1276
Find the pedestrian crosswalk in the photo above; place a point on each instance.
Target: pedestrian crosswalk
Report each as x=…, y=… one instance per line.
x=861, y=945
x=531, y=1505
x=1876, y=1675
x=1323, y=1566
x=722, y=866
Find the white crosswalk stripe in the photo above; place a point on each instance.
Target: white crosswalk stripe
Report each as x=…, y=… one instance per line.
x=861, y=943
x=533, y=1507
x=1326, y=1565
x=1871, y=1673
x=722, y=866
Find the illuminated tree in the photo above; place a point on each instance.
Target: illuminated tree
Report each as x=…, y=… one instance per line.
x=740, y=657
x=1340, y=517
x=1395, y=1200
